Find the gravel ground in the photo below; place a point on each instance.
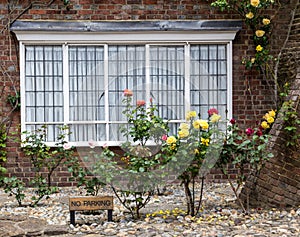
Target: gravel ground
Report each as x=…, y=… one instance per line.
x=164, y=216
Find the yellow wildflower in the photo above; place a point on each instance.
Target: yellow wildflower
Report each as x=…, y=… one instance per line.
x=249, y=15
x=272, y=113
x=191, y=114
x=264, y=125
x=270, y=120
x=196, y=151
x=183, y=133
x=260, y=33
x=266, y=21
x=205, y=141
x=254, y=3
x=171, y=140
x=259, y=48
x=215, y=118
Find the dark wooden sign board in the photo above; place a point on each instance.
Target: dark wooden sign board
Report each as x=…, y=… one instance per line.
x=90, y=203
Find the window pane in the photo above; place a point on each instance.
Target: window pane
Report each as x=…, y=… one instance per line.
x=86, y=82
x=126, y=70
x=167, y=80
x=208, y=78
x=43, y=83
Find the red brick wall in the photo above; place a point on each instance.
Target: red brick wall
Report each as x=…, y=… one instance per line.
x=278, y=183
x=252, y=95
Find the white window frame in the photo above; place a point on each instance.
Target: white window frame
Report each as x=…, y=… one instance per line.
x=104, y=38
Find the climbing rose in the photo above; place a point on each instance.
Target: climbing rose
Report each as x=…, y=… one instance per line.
x=266, y=21
x=232, y=121
x=252, y=60
x=184, y=126
x=259, y=48
x=259, y=33
x=249, y=15
x=259, y=133
x=254, y=3
x=272, y=113
x=270, y=120
x=249, y=131
x=264, y=125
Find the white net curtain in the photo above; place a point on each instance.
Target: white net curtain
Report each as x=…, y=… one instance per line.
x=86, y=90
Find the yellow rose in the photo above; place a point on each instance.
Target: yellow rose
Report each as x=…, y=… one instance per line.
x=267, y=115
x=249, y=15
x=191, y=114
x=259, y=48
x=266, y=21
x=183, y=133
x=264, y=125
x=215, y=118
x=184, y=126
x=199, y=123
x=254, y=3
x=204, y=124
x=205, y=141
x=272, y=113
x=252, y=60
x=259, y=33
x=171, y=140
x=270, y=120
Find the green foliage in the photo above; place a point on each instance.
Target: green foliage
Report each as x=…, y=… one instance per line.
x=255, y=15
x=242, y=148
x=193, y=141
x=291, y=123
x=44, y=160
x=14, y=187
x=3, y=152
x=15, y=100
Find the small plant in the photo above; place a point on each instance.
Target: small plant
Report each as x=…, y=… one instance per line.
x=44, y=160
x=196, y=141
x=243, y=148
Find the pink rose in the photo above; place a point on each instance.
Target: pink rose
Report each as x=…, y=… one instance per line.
x=164, y=137
x=92, y=144
x=212, y=111
x=128, y=93
x=140, y=102
x=249, y=131
x=67, y=146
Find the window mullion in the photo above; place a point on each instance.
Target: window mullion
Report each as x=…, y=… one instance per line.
x=66, y=88
x=106, y=104
x=229, y=79
x=187, y=90
x=147, y=71
x=23, y=87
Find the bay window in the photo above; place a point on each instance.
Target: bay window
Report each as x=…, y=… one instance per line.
x=80, y=81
